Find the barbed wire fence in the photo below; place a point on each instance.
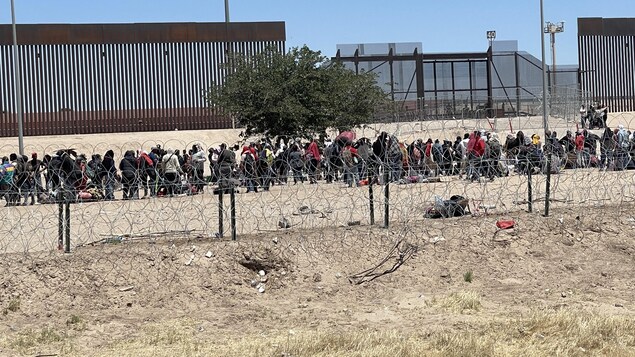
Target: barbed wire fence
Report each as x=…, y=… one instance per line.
x=370, y=230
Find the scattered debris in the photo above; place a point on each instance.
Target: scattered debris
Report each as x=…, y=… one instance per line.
x=505, y=224
x=401, y=252
x=456, y=206
x=275, y=240
x=435, y=240
x=209, y=254
x=284, y=223
x=354, y=223
x=619, y=305
x=306, y=210
x=262, y=273
x=127, y=288
x=261, y=288
x=189, y=262
x=317, y=277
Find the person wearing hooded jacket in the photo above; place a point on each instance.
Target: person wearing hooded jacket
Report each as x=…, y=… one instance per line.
x=109, y=175
x=129, y=167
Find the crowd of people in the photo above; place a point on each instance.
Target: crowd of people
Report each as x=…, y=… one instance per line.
x=68, y=175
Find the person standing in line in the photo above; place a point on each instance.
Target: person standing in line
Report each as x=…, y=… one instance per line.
x=313, y=159
x=129, y=167
x=109, y=175
x=226, y=163
x=198, y=167
x=172, y=171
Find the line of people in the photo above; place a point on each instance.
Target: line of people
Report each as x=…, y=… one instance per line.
x=68, y=175
x=260, y=165
x=476, y=155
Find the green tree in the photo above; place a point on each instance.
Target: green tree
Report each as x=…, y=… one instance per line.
x=299, y=93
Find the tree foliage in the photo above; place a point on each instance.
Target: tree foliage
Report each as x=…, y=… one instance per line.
x=299, y=93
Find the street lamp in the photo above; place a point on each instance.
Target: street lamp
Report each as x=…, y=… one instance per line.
x=491, y=36
x=226, y=10
x=553, y=29
x=17, y=85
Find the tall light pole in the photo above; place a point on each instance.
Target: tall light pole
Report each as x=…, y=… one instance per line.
x=227, y=57
x=545, y=114
x=553, y=29
x=16, y=81
x=491, y=36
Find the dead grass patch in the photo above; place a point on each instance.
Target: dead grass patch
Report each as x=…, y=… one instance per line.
x=462, y=301
x=567, y=332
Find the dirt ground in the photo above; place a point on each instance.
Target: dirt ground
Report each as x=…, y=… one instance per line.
x=165, y=297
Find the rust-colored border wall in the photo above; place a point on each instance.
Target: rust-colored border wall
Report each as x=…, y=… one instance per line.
x=81, y=79
x=73, y=34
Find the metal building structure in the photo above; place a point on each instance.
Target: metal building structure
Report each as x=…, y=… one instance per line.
x=606, y=52
x=498, y=82
x=106, y=78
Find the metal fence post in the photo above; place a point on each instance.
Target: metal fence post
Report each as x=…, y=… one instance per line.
x=220, y=212
x=386, y=198
x=233, y=212
x=371, y=199
x=68, y=227
x=529, y=188
x=548, y=185
x=60, y=227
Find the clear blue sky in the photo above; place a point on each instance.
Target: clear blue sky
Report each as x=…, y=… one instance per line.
x=441, y=25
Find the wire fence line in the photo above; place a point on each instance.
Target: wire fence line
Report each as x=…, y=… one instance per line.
x=335, y=200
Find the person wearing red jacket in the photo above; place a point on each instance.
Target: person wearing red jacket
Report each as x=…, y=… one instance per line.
x=475, y=151
x=579, y=150
x=313, y=160
x=479, y=147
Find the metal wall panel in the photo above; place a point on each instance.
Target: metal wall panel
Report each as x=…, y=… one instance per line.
x=106, y=78
x=606, y=50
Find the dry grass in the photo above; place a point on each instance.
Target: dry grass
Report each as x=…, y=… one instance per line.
x=567, y=332
x=12, y=306
x=30, y=341
x=462, y=301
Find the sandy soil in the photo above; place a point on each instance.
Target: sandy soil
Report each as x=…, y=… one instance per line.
x=102, y=298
